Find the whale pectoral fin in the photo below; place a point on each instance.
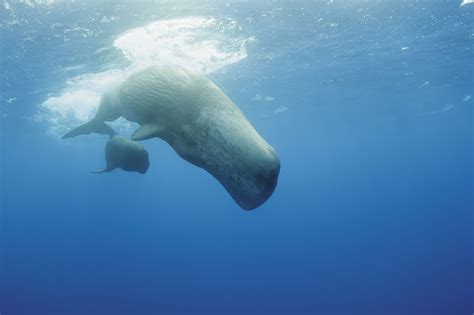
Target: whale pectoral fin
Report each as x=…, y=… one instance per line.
x=93, y=126
x=146, y=132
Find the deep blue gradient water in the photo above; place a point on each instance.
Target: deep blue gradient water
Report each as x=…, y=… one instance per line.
x=368, y=103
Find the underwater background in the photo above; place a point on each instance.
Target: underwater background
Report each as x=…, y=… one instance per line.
x=368, y=104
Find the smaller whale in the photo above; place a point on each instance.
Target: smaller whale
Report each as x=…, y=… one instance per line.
x=126, y=154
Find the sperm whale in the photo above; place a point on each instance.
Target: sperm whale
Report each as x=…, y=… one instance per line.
x=200, y=122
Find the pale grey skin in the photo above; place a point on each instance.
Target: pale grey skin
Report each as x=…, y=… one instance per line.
x=202, y=124
x=126, y=154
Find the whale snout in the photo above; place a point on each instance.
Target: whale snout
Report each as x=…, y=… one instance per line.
x=264, y=180
x=137, y=160
x=143, y=162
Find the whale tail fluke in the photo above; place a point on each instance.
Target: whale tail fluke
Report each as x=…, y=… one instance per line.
x=93, y=126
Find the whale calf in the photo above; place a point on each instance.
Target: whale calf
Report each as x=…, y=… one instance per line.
x=200, y=122
x=126, y=154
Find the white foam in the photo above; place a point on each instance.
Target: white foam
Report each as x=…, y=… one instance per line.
x=33, y=3
x=280, y=109
x=200, y=43
x=446, y=108
x=259, y=98
x=464, y=2
x=78, y=101
x=75, y=104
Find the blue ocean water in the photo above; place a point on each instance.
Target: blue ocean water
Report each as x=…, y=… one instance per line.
x=368, y=104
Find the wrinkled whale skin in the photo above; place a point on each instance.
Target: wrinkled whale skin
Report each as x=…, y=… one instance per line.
x=200, y=122
x=204, y=127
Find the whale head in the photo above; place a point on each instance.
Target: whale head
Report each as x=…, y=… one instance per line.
x=254, y=183
x=244, y=164
x=126, y=154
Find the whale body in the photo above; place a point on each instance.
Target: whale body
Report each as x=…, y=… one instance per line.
x=200, y=122
x=126, y=154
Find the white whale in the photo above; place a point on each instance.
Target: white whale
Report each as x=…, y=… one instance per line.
x=200, y=122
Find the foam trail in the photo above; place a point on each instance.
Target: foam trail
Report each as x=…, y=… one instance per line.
x=200, y=43
x=464, y=2
x=203, y=44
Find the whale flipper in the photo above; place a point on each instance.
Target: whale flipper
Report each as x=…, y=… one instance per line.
x=146, y=131
x=93, y=126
